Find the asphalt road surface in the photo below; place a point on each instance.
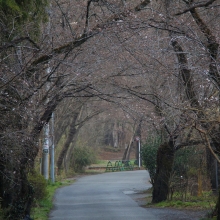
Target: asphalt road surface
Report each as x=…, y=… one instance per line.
x=103, y=197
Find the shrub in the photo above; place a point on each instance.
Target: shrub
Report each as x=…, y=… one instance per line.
x=39, y=185
x=149, y=155
x=82, y=156
x=188, y=160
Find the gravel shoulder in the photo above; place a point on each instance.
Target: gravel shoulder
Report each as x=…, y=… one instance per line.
x=175, y=214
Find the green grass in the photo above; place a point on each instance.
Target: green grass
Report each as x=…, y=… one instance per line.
x=206, y=201
x=187, y=204
x=101, y=162
x=43, y=207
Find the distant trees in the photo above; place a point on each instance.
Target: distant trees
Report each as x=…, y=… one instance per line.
x=76, y=116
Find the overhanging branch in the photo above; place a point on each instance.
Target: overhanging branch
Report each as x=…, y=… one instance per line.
x=199, y=5
x=142, y=5
x=82, y=39
x=15, y=42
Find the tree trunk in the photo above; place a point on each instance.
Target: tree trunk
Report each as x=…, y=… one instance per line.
x=165, y=158
x=210, y=163
x=69, y=139
x=15, y=190
x=218, y=207
x=125, y=152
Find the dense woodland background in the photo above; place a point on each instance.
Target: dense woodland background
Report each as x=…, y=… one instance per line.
x=109, y=70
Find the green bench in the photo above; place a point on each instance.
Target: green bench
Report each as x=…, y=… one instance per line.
x=119, y=166
x=128, y=165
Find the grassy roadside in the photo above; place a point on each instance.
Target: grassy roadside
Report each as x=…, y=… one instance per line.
x=43, y=207
x=195, y=203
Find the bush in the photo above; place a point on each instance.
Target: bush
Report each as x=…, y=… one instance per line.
x=188, y=160
x=82, y=156
x=149, y=155
x=39, y=185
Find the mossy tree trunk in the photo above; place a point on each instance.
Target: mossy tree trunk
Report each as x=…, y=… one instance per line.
x=165, y=158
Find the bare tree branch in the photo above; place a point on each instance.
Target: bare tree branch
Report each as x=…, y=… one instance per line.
x=208, y=143
x=142, y=5
x=189, y=143
x=87, y=35
x=16, y=42
x=199, y=5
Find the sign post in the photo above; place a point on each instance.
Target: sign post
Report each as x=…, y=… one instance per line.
x=139, y=150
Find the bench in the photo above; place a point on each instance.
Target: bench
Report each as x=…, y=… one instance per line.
x=119, y=166
x=128, y=165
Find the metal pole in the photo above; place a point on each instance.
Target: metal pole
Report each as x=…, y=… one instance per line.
x=139, y=153
x=45, y=161
x=52, y=171
x=216, y=174
x=46, y=143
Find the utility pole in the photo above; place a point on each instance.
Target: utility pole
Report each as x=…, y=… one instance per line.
x=46, y=142
x=45, y=159
x=216, y=174
x=52, y=168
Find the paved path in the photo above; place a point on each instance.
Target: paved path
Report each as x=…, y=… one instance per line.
x=103, y=197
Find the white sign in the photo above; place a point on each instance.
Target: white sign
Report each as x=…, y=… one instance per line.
x=137, y=138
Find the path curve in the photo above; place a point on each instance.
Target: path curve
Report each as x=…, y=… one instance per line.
x=103, y=197
x=112, y=196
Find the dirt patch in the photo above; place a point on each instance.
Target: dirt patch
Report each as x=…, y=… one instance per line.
x=111, y=155
x=106, y=155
